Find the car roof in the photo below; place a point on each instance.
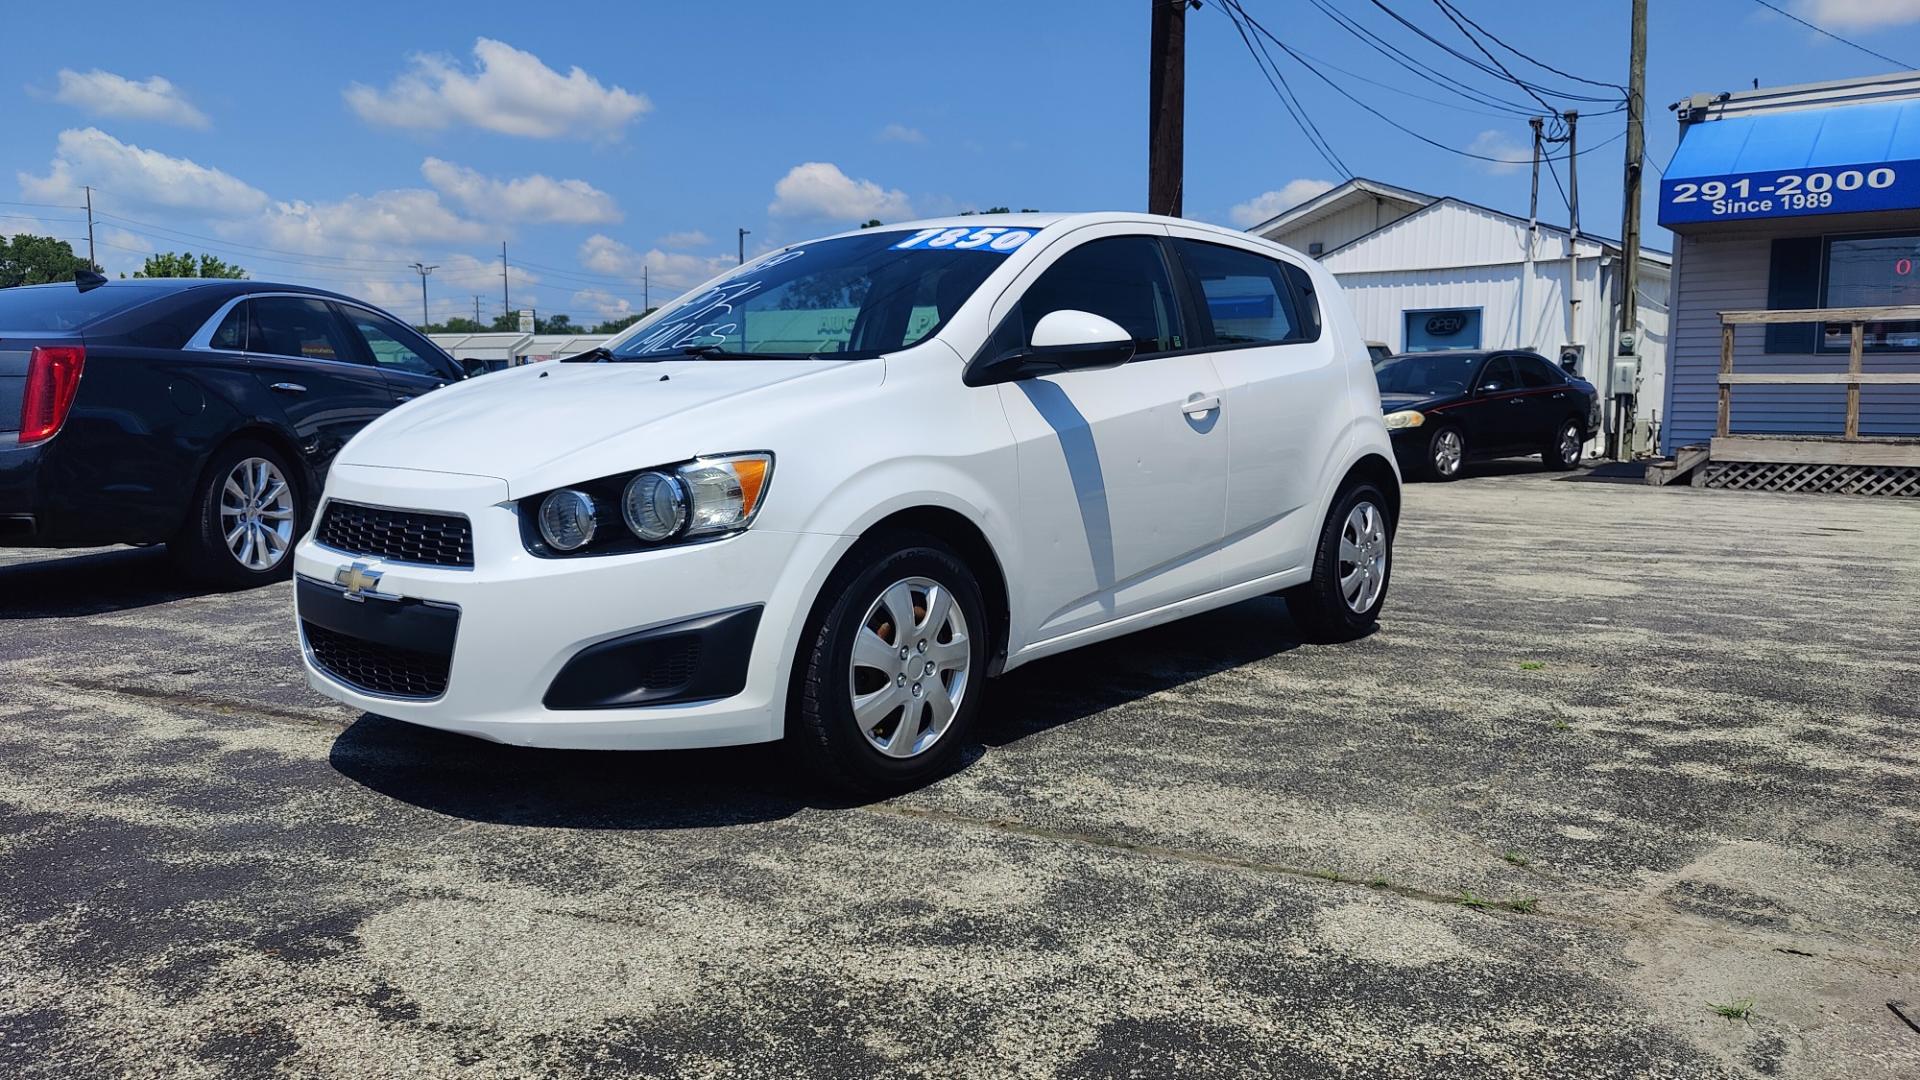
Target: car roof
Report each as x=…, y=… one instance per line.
x=174, y=285
x=1036, y=221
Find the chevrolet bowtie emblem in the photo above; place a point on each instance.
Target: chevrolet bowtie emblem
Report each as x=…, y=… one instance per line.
x=358, y=580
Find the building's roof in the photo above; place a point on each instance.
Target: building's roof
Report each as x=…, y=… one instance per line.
x=1895, y=86
x=1362, y=187
x=1333, y=199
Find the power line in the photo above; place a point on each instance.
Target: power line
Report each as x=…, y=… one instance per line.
x=1410, y=63
x=1305, y=123
x=1491, y=36
x=1488, y=53
x=1463, y=57
x=1823, y=30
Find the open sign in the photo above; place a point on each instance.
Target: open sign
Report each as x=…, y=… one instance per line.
x=1446, y=325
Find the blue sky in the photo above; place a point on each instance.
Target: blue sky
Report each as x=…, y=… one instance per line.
x=337, y=144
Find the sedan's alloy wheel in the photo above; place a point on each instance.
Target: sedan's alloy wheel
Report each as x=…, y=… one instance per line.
x=908, y=674
x=256, y=514
x=1570, y=441
x=1447, y=453
x=1363, y=557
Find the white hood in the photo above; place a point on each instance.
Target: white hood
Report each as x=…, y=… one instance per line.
x=525, y=423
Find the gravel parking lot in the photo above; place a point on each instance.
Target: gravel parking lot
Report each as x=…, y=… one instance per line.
x=1618, y=755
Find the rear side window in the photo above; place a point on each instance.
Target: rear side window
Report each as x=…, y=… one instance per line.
x=1535, y=372
x=298, y=327
x=1121, y=277
x=65, y=307
x=1306, y=299
x=1247, y=298
x=232, y=332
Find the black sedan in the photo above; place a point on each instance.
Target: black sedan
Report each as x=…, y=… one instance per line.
x=1446, y=408
x=197, y=413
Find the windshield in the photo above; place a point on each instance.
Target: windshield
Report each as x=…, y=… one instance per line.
x=64, y=307
x=1428, y=374
x=846, y=299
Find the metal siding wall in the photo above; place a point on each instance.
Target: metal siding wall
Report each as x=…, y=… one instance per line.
x=1730, y=274
x=1345, y=226
x=1449, y=235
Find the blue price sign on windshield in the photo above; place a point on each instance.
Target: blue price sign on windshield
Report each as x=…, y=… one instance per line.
x=1848, y=189
x=995, y=239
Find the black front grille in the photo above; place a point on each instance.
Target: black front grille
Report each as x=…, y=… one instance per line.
x=377, y=669
x=402, y=535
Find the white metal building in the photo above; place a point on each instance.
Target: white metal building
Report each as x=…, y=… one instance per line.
x=501, y=349
x=1433, y=272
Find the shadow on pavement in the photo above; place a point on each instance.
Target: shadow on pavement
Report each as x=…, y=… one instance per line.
x=63, y=585
x=480, y=781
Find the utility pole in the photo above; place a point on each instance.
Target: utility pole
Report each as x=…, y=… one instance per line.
x=476, y=308
x=1167, y=107
x=90, y=259
x=1573, y=228
x=1627, y=346
x=743, y=244
x=424, y=270
x=1524, y=332
x=646, y=289
x=506, y=298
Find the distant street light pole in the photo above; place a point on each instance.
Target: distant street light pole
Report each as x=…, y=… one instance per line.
x=424, y=270
x=743, y=244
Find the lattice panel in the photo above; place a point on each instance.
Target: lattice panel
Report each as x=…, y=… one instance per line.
x=1824, y=479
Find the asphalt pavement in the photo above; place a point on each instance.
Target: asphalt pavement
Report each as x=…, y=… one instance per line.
x=1624, y=786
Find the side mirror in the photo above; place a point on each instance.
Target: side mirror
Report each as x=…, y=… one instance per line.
x=471, y=368
x=1065, y=340
x=1487, y=388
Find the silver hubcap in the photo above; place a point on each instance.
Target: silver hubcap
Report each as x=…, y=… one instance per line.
x=256, y=514
x=1363, y=557
x=1447, y=452
x=909, y=670
x=1570, y=444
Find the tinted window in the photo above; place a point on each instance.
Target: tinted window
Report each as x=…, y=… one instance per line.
x=1499, y=374
x=1122, y=278
x=232, y=333
x=1245, y=296
x=1427, y=374
x=1535, y=372
x=296, y=326
x=65, y=307
x=1307, y=301
x=389, y=343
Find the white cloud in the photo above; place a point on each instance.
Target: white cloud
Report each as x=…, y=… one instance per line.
x=901, y=133
x=137, y=176
x=1272, y=203
x=406, y=216
x=1497, y=144
x=512, y=92
x=103, y=93
x=603, y=303
x=818, y=189
x=1858, y=14
x=536, y=199
x=665, y=270
x=692, y=238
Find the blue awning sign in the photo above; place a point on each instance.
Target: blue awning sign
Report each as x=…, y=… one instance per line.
x=1850, y=189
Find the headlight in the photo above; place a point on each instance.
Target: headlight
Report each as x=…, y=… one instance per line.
x=702, y=498
x=1405, y=418
x=567, y=519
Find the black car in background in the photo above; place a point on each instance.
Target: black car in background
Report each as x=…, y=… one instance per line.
x=197, y=413
x=1447, y=408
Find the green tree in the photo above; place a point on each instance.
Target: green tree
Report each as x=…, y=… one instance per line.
x=455, y=325
x=614, y=326
x=186, y=264
x=27, y=259
x=559, y=324
x=872, y=223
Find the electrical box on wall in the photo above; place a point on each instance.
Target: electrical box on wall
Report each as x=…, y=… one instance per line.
x=1570, y=357
x=1624, y=373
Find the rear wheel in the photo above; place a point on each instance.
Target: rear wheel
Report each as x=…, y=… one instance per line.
x=886, y=685
x=1564, y=451
x=1351, y=565
x=1446, y=454
x=247, y=512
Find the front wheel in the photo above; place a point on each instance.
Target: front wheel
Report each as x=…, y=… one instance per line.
x=1351, y=565
x=888, y=679
x=1446, y=454
x=1564, y=451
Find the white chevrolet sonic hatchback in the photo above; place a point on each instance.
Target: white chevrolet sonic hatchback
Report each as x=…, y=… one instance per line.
x=823, y=497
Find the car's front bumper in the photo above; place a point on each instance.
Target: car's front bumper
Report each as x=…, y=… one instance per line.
x=517, y=620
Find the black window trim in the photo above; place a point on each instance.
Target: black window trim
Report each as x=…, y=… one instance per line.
x=1185, y=282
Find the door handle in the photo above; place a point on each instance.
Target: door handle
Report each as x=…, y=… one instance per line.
x=289, y=388
x=403, y=398
x=1200, y=404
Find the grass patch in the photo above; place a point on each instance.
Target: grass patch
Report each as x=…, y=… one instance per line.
x=1467, y=899
x=1515, y=857
x=1523, y=905
x=1562, y=725
x=1532, y=665
x=1741, y=1010
x=1377, y=883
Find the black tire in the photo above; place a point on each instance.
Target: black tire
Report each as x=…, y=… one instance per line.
x=1438, y=465
x=821, y=727
x=200, y=549
x=1562, y=452
x=1319, y=606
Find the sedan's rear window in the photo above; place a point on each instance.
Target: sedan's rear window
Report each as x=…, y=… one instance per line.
x=65, y=307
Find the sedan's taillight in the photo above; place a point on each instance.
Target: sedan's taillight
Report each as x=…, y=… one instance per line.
x=53, y=377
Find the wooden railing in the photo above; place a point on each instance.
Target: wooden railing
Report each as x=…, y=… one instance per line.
x=1853, y=378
